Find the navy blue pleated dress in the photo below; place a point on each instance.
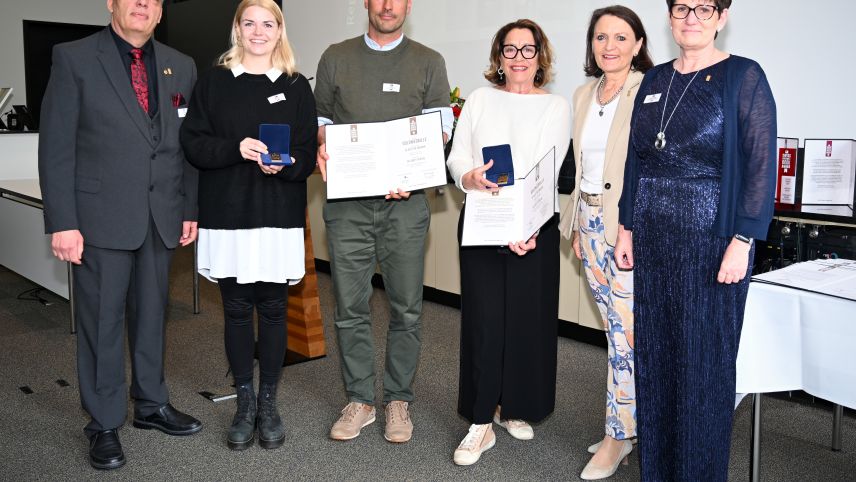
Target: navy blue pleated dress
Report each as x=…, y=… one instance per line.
x=687, y=324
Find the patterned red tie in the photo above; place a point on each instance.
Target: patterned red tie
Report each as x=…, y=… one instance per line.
x=139, y=78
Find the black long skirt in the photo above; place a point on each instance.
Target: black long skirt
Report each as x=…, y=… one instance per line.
x=509, y=313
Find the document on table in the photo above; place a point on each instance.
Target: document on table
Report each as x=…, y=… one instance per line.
x=370, y=159
x=834, y=277
x=517, y=212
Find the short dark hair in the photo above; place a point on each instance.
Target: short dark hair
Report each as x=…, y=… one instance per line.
x=545, y=53
x=641, y=62
x=720, y=4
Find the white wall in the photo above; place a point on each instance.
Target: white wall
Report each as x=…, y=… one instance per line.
x=806, y=49
x=13, y=12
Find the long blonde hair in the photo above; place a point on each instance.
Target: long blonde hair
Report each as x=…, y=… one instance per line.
x=282, y=56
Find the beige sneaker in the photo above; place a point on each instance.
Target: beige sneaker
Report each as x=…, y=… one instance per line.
x=399, y=428
x=354, y=417
x=479, y=439
x=518, y=429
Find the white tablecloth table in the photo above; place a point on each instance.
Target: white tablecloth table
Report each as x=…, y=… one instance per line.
x=796, y=340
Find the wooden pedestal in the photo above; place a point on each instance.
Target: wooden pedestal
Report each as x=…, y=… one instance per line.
x=305, y=329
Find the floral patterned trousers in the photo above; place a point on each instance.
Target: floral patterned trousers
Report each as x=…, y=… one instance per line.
x=613, y=292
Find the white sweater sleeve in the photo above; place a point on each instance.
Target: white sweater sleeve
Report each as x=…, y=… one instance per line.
x=557, y=132
x=460, y=159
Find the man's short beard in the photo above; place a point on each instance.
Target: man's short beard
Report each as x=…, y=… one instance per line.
x=378, y=28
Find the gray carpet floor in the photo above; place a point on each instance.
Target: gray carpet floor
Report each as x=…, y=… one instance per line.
x=43, y=439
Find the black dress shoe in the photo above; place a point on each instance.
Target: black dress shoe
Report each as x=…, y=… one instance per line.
x=105, y=451
x=169, y=421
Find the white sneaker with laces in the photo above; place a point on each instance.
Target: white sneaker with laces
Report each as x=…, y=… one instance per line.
x=479, y=439
x=518, y=429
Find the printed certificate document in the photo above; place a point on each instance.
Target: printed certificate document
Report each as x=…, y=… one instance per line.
x=829, y=172
x=370, y=159
x=517, y=212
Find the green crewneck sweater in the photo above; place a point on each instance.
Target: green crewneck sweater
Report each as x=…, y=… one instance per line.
x=351, y=77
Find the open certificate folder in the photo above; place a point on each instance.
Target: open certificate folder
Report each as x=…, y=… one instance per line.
x=833, y=277
x=371, y=159
x=517, y=212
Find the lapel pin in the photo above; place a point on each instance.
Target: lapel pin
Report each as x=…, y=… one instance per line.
x=167, y=71
x=707, y=79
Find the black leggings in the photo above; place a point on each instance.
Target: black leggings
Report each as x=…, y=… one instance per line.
x=270, y=302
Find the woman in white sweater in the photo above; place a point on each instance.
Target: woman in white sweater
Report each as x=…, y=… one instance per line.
x=509, y=294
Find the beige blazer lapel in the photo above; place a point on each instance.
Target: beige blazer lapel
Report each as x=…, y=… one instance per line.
x=622, y=114
x=581, y=107
x=581, y=102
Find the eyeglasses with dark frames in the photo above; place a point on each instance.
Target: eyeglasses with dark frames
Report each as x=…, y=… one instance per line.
x=527, y=51
x=702, y=12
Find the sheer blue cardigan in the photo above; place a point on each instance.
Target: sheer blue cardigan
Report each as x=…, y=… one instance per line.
x=748, y=182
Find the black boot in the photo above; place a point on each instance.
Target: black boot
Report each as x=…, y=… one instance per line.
x=271, y=431
x=243, y=428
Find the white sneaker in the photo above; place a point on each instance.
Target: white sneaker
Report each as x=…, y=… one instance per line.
x=518, y=429
x=479, y=439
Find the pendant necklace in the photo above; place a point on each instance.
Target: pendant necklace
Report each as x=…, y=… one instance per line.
x=660, y=143
x=600, y=90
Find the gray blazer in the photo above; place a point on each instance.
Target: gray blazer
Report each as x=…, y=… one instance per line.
x=104, y=165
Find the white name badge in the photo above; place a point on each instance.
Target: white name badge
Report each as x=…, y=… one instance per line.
x=391, y=87
x=650, y=99
x=276, y=98
x=182, y=111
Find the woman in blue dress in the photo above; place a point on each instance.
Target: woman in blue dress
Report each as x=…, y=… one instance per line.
x=699, y=188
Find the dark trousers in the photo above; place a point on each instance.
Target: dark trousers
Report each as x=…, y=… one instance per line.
x=362, y=234
x=109, y=285
x=509, y=329
x=270, y=301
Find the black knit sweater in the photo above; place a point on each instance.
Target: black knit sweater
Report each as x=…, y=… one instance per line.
x=233, y=192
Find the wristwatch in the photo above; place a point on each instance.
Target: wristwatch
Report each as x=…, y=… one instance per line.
x=740, y=237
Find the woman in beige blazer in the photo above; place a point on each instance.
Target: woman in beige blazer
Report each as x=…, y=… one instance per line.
x=616, y=58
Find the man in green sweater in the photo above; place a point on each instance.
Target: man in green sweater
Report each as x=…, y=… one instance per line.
x=379, y=76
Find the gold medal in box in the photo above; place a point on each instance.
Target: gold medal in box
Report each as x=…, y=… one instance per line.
x=502, y=171
x=277, y=138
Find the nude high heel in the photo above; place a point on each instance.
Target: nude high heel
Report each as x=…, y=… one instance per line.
x=593, y=448
x=595, y=472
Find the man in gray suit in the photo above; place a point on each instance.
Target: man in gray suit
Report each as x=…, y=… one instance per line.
x=119, y=197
